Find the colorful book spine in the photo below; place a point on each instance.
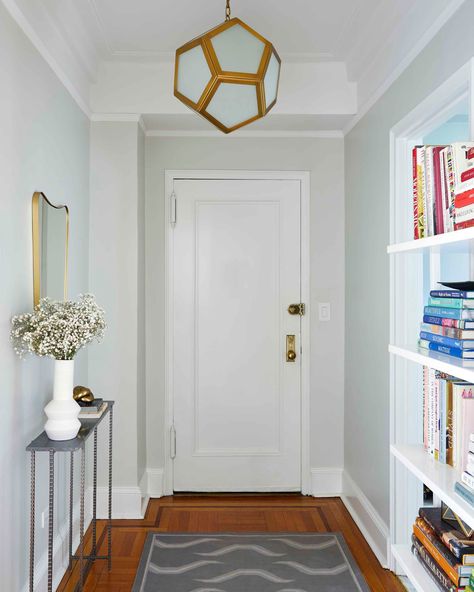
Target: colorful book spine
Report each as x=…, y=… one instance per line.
x=444, y=349
x=438, y=195
x=449, y=313
x=451, y=302
x=415, y=194
x=454, y=323
x=448, y=341
x=464, y=492
x=451, y=294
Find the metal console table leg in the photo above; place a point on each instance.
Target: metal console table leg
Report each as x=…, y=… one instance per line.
x=71, y=504
x=94, y=500
x=50, y=521
x=109, y=524
x=32, y=521
x=81, y=517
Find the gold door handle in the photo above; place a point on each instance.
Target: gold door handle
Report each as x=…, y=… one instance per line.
x=290, y=348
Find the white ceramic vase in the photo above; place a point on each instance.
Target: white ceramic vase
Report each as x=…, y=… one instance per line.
x=62, y=412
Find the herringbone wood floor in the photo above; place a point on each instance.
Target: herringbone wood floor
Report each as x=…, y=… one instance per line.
x=227, y=513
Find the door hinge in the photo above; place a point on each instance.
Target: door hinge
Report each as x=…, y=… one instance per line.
x=173, y=209
x=297, y=309
x=172, y=442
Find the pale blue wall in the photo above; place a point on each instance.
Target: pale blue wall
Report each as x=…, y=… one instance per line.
x=44, y=146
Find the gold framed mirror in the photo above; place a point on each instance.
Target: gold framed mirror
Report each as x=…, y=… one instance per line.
x=50, y=248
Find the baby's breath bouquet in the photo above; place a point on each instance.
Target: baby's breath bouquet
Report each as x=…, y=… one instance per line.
x=58, y=329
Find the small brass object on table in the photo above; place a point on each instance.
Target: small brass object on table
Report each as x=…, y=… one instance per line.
x=83, y=394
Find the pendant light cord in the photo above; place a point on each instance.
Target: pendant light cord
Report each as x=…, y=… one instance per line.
x=227, y=10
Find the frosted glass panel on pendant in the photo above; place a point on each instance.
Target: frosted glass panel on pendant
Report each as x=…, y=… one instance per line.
x=238, y=50
x=193, y=73
x=234, y=103
x=271, y=80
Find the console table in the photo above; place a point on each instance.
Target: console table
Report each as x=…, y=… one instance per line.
x=43, y=444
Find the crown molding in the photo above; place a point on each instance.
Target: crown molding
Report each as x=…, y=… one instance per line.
x=119, y=118
x=244, y=134
x=424, y=40
x=24, y=24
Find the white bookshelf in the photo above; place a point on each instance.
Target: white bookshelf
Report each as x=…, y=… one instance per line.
x=416, y=266
x=452, y=241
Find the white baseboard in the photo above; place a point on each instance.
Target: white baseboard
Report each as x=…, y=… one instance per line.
x=374, y=529
x=326, y=482
x=154, y=482
x=126, y=502
x=61, y=548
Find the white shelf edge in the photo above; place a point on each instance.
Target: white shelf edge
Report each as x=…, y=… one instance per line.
x=435, y=360
x=448, y=238
x=440, y=478
x=412, y=568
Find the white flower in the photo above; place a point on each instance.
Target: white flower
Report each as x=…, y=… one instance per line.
x=58, y=329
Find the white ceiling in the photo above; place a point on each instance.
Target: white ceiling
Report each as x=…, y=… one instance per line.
x=300, y=29
x=373, y=40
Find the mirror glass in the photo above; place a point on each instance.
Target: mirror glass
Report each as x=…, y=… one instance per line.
x=50, y=248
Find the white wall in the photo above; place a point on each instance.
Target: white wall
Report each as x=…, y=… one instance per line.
x=367, y=265
x=324, y=159
x=44, y=146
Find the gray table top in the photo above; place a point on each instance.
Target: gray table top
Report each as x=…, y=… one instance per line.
x=43, y=444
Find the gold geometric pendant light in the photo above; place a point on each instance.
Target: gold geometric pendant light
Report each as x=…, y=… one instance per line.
x=229, y=75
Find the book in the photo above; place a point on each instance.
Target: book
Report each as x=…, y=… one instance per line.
x=416, y=224
x=451, y=294
x=464, y=314
x=93, y=415
x=445, y=322
x=93, y=406
x=438, y=195
x=454, y=540
x=467, y=479
x=465, y=492
x=466, y=198
x=430, y=565
x=451, y=302
x=440, y=553
x=464, y=354
x=462, y=225
x=460, y=334
x=461, y=163
x=448, y=341
x=420, y=190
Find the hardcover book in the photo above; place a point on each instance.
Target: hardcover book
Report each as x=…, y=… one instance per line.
x=457, y=543
x=430, y=565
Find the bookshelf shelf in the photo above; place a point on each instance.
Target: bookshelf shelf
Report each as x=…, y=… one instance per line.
x=440, y=478
x=460, y=240
x=412, y=568
x=443, y=363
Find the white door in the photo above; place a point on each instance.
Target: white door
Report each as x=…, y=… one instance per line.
x=237, y=400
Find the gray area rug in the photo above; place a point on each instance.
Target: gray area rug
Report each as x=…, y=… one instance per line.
x=269, y=562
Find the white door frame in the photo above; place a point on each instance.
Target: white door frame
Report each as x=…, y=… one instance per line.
x=304, y=178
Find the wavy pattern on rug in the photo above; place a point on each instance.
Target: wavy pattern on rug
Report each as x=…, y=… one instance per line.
x=289, y=562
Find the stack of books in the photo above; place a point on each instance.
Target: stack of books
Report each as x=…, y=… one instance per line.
x=446, y=553
x=443, y=188
x=448, y=417
x=448, y=323
x=93, y=410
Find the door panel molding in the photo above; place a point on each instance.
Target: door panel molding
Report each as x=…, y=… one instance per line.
x=304, y=179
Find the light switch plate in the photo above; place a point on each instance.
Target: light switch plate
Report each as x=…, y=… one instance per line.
x=324, y=311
